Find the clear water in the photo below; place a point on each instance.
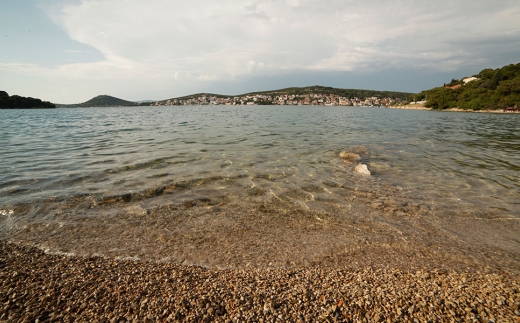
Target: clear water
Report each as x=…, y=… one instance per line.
x=62, y=167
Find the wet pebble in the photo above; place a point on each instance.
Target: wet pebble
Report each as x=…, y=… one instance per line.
x=40, y=287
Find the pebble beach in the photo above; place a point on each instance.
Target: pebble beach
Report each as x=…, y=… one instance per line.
x=39, y=287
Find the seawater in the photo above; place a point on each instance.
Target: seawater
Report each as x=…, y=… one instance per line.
x=62, y=167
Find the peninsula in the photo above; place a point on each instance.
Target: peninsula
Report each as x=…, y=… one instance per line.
x=20, y=102
x=311, y=95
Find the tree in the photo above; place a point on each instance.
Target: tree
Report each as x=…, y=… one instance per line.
x=494, y=89
x=20, y=102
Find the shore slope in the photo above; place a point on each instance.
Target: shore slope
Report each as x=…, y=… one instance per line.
x=39, y=287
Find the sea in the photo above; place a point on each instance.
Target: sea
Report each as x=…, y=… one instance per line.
x=231, y=186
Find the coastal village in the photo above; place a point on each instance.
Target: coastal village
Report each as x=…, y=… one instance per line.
x=262, y=99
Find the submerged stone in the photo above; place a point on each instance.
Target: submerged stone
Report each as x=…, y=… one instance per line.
x=363, y=169
x=349, y=156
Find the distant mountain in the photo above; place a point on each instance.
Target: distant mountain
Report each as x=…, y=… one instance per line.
x=107, y=101
x=102, y=101
x=20, y=102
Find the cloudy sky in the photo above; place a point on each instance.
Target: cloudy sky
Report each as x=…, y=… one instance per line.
x=67, y=51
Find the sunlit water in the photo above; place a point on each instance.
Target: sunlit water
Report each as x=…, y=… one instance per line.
x=68, y=164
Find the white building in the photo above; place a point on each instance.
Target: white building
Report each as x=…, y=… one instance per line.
x=469, y=79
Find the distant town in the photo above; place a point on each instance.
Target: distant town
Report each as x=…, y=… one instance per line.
x=287, y=99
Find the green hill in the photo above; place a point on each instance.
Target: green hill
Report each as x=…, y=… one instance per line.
x=302, y=91
x=107, y=101
x=349, y=93
x=20, y=102
x=102, y=101
x=490, y=89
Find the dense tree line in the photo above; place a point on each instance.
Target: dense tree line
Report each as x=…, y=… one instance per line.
x=20, y=102
x=493, y=89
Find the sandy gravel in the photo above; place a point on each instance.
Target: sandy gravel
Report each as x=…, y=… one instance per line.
x=38, y=287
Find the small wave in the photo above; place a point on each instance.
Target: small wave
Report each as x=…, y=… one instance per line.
x=17, y=190
x=182, y=185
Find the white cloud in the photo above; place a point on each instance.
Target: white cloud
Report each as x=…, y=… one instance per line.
x=207, y=41
x=221, y=38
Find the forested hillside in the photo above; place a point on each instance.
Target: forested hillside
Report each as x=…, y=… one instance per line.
x=20, y=102
x=489, y=89
x=349, y=93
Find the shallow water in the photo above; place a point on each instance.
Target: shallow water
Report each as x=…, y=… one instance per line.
x=70, y=177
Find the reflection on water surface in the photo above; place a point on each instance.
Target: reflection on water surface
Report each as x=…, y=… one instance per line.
x=64, y=173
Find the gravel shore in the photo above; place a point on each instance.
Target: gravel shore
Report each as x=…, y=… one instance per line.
x=39, y=287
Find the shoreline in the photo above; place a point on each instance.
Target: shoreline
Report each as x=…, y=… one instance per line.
x=479, y=111
x=216, y=235
x=44, y=287
x=409, y=107
x=422, y=107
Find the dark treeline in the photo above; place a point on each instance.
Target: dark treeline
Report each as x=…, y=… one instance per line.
x=492, y=89
x=20, y=102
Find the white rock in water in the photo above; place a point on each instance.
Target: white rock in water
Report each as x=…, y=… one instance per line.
x=363, y=169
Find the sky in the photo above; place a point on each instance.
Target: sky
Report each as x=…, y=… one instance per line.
x=68, y=51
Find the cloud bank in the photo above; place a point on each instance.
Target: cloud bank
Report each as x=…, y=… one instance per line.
x=189, y=44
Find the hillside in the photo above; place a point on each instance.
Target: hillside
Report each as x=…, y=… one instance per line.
x=101, y=101
x=316, y=89
x=487, y=90
x=349, y=93
x=107, y=101
x=292, y=96
x=20, y=102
